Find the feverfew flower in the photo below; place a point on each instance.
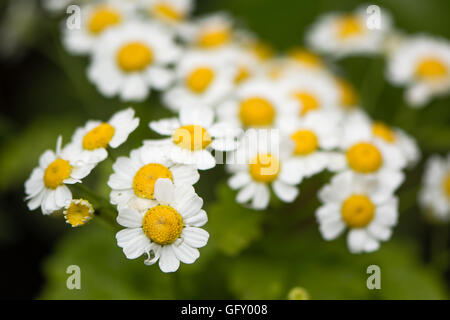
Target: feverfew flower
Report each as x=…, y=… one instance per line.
x=96, y=18
x=134, y=177
x=202, y=78
x=421, y=63
x=131, y=59
x=257, y=166
x=360, y=204
x=435, y=193
x=47, y=185
x=342, y=34
x=95, y=137
x=78, y=212
x=258, y=103
x=193, y=135
x=168, y=230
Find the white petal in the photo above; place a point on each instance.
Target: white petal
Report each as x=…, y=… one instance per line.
x=185, y=253
x=262, y=197
x=284, y=191
x=164, y=191
x=129, y=218
x=239, y=180
x=133, y=241
x=246, y=193
x=197, y=220
x=331, y=229
x=195, y=237
x=168, y=262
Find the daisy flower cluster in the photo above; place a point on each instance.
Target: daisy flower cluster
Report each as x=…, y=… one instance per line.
x=274, y=120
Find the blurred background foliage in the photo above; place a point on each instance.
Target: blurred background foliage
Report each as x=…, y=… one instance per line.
x=251, y=255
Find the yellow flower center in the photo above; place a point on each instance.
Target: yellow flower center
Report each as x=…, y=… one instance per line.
x=214, y=38
x=79, y=213
x=305, y=57
x=308, y=101
x=167, y=12
x=134, y=56
x=349, y=26
x=306, y=142
x=264, y=168
x=162, y=224
x=446, y=185
x=431, y=68
x=357, y=211
x=262, y=50
x=56, y=172
x=103, y=18
x=383, y=131
x=144, y=180
x=256, y=112
x=200, y=79
x=242, y=75
x=364, y=157
x=348, y=96
x=192, y=137
x=99, y=137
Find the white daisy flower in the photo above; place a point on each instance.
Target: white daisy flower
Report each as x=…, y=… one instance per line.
x=310, y=91
x=421, y=63
x=134, y=177
x=47, y=185
x=246, y=65
x=214, y=31
x=342, y=34
x=168, y=230
x=257, y=103
x=360, y=204
x=193, y=135
x=132, y=58
x=202, y=78
x=96, y=18
x=258, y=165
x=435, y=193
x=168, y=11
x=95, y=137
x=78, y=212
x=311, y=141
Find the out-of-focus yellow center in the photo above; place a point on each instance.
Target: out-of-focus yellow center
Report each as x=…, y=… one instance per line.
x=349, y=26
x=162, y=224
x=242, y=74
x=431, y=69
x=134, y=56
x=306, y=142
x=383, y=131
x=214, y=38
x=347, y=94
x=145, y=178
x=256, y=112
x=192, y=137
x=165, y=11
x=446, y=185
x=99, y=137
x=261, y=50
x=357, y=211
x=102, y=18
x=364, y=157
x=79, y=213
x=308, y=102
x=265, y=167
x=305, y=57
x=56, y=172
x=200, y=79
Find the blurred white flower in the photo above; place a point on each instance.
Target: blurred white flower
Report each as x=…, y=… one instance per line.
x=170, y=12
x=78, y=212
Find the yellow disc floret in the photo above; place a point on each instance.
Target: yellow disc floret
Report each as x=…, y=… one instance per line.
x=162, y=224
x=308, y=101
x=306, y=142
x=192, y=137
x=214, y=38
x=167, y=12
x=383, y=131
x=99, y=137
x=364, y=157
x=79, y=212
x=357, y=211
x=145, y=178
x=56, y=172
x=200, y=79
x=265, y=167
x=103, y=18
x=242, y=74
x=306, y=57
x=349, y=26
x=446, y=185
x=256, y=112
x=431, y=68
x=134, y=56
